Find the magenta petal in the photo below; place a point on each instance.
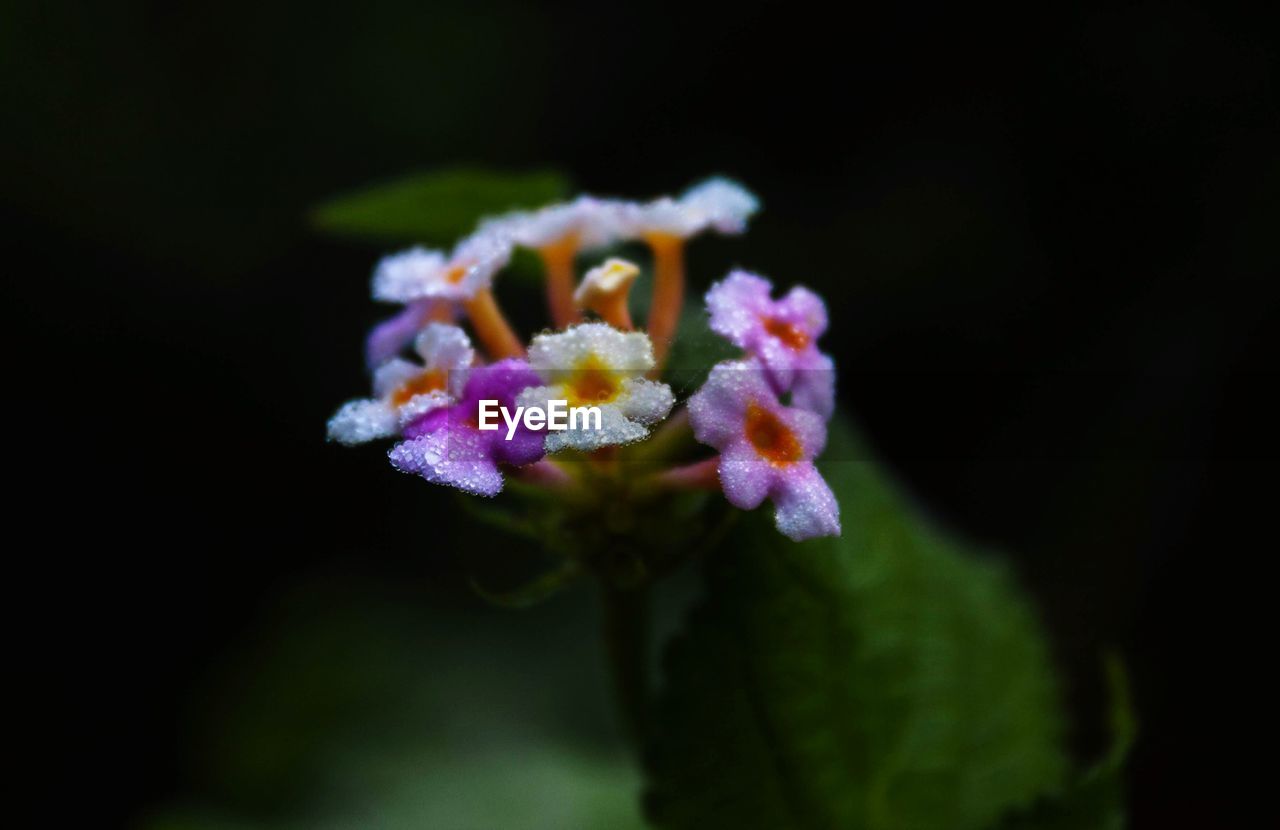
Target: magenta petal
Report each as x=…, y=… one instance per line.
x=805, y=506
x=525, y=447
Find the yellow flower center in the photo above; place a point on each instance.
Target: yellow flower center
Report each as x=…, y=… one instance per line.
x=592, y=383
x=773, y=440
x=431, y=380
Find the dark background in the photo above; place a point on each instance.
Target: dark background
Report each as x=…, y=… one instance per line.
x=1047, y=240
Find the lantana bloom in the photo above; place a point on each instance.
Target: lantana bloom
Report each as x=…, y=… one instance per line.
x=764, y=413
x=766, y=449
x=593, y=364
x=404, y=390
x=717, y=203
x=420, y=273
x=447, y=446
x=781, y=334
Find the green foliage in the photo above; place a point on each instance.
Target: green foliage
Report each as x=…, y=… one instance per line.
x=890, y=678
x=1095, y=800
x=437, y=207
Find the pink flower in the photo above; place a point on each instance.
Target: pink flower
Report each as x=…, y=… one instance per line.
x=766, y=449
x=781, y=334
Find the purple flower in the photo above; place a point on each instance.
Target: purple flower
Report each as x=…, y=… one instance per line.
x=446, y=445
x=766, y=449
x=782, y=334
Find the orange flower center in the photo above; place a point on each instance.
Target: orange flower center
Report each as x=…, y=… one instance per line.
x=431, y=380
x=455, y=274
x=791, y=336
x=771, y=438
x=593, y=383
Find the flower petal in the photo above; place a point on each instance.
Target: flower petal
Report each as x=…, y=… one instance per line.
x=453, y=457
x=363, y=420
x=805, y=506
x=744, y=476
x=408, y=275
x=722, y=204
x=716, y=410
x=554, y=355
x=447, y=348
x=805, y=310
x=389, y=337
x=814, y=388
x=615, y=429
x=737, y=305
x=645, y=401
x=420, y=405
x=390, y=375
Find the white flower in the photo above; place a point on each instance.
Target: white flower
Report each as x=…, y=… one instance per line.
x=717, y=203
x=404, y=390
x=419, y=273
x=587, y=222
x=593, y=364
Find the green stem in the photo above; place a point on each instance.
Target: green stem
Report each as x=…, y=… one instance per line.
x=626, y=642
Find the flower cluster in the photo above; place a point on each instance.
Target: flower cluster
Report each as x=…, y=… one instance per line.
x=765, y=413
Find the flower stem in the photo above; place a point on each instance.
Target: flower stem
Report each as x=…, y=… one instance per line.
x=626, y=642
x=668, y=293
x=614, y=311
x=492, y=327
x=700, y=475
x=557, y=258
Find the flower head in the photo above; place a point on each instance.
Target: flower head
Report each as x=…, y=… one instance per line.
x=447, y=446
x=782, y=334
x=404, y=390
x=766, y=449
x=718, y=204
x=593, y=364
x=419, y=273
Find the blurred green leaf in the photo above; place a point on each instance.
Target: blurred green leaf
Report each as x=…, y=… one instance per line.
x=1095, y=800
x=364, y=708
x=530, y=788
x=436, y=207
x=890, y=678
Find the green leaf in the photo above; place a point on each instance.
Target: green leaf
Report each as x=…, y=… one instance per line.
x=1095, y=800
x=890, y=678
x=436, y=207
